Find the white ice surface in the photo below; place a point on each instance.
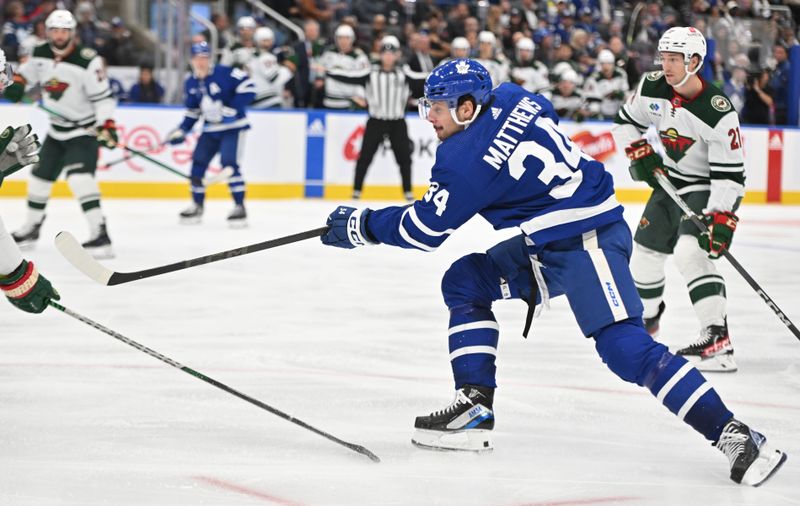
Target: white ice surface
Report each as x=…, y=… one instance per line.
x=354, y=343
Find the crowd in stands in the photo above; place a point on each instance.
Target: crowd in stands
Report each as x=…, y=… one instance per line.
x=585, y=55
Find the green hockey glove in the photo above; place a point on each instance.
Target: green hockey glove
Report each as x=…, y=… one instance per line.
x=718, y=238
x=644, y=161
x=27, y=289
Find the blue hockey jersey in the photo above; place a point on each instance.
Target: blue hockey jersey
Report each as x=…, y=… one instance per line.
x=221, y=99
x=514, y=167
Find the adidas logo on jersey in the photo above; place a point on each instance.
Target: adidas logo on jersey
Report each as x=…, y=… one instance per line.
x=496, y=112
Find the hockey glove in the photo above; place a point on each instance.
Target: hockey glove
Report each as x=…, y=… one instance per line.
x=18, y=148
x=721, y=226
x=107, y=134
x=176, y=136
x=27, y=289
x=16, y=90
x=644, y=161
x=347, y=228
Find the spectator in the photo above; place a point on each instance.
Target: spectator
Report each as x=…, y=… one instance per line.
x=759, y=107
x=516, y=24
x=457, y=20
x=120, y=49
x=38, y=36
x=304, y=53
x=780, y=82
x=91, y=33
x=16, y=29
x=735, y=87
x=787, y=36
x=147, y=90
x=439, y=36
x=222, y=23
x=624, y=61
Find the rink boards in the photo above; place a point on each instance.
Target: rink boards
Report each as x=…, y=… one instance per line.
x=300, y=153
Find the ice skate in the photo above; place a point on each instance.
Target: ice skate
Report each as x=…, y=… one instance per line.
x=409, y=197
x=27, y=236
x=713, y=351
x=192, y=215
x=464, y=425
x=356, y=194
x=652, y=325
x=238, y=217
x=99, y=246
x=752, y=460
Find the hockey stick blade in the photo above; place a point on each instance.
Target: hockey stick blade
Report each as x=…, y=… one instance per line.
x=219, y=177
x=68, y=246
x=211, y=381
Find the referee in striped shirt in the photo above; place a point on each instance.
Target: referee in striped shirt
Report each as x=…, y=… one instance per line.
x=387, y=93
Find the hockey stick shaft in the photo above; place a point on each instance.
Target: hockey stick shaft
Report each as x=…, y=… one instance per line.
x=211, y=381
x=142, y=154
x=673, y=193
x=83, y=261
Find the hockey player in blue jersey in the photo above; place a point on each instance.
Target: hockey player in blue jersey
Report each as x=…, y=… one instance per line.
x=503, y=156
x=220, y=95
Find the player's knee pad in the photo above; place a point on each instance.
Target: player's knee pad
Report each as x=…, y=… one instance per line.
x=466, y=282
x=691, y=260
x=647, y=265
x=628, y=350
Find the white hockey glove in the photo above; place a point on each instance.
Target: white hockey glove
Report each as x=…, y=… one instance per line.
x=19, y=147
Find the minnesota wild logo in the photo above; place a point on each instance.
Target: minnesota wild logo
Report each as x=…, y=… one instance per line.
x=55, y=88
x=675, y=144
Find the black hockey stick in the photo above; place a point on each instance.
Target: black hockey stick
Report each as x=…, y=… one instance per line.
x=673, y=193
x=211, y=381
x=71, y=249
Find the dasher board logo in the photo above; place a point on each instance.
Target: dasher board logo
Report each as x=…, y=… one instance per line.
x=675, y=144
x=720, y=103
x=55, y=88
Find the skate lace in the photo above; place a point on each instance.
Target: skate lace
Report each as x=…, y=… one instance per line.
x=707, y=336
x=732, y=444
x=457, y=402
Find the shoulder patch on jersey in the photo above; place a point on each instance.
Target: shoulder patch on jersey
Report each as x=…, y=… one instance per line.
x=654, y=76
x=720, y=103
x=88, y=53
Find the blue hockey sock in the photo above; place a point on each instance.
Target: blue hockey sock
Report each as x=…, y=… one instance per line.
x=473, y=346
x=236, y=185
x=685, y=392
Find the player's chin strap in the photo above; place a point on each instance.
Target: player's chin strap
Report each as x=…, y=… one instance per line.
x=689, y=73
x=467, y=122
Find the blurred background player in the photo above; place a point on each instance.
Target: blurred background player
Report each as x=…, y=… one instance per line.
x=20, y=282
x=75, y=87
x=503, y=156
x=531, y=74
x=220, y=95
x=387, y=91
x=567, y=98
x=492, y=58
x=245, y=48
x=268, y=74
x=344, y=56
x=605, y=89
x=704, y=160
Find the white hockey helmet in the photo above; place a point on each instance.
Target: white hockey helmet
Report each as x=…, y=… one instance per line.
x=60, y=18
x=390, y=43
x=246, y=22
x=345, y=31
x=487, y=37
x=606, y=56
x=526, y=44
x=687, y=41
x=460, y=43
x=571, y=76
x=263, y=33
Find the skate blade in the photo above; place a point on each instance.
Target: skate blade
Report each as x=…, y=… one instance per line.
x=716, y=363
x=237, y=224
x=764, y=468
x=101, y=253
x=473, y=440
x=195, y=220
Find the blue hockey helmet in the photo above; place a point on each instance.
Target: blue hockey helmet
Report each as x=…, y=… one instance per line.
x=453, y=80
x=201, y=49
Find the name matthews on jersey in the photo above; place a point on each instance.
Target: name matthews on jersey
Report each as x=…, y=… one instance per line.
x=521, y=115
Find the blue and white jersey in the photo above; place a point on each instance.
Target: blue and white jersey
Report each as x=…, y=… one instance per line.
x=221, y=99
x=514, y=167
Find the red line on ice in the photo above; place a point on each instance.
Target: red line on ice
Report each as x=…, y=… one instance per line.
x=226, y=485
x=592, y=500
